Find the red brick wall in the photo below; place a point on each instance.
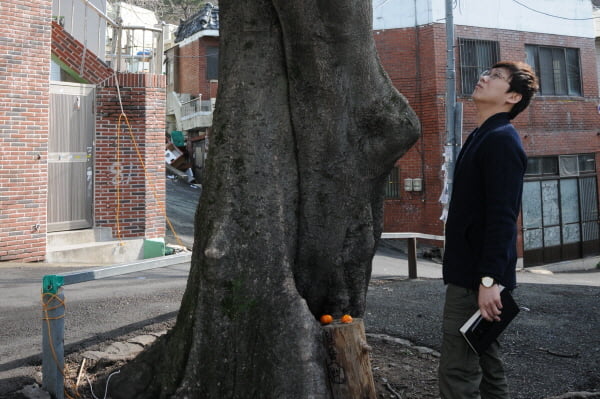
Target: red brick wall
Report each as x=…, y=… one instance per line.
x=411, y=59
x=191, y=68
x=130, y=171
x=24, y=92
x=71, y=52
x=550, y=126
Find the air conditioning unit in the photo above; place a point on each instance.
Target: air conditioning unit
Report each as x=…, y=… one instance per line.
x=568, y=165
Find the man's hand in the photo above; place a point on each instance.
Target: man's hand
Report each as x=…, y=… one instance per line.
x=489, y=302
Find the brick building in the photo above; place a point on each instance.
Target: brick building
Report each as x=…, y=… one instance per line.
x=24, y=104
x=46, y=176
x=559, y=130
x=193, y=73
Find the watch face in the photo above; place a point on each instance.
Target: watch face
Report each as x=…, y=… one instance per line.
x=487, y=282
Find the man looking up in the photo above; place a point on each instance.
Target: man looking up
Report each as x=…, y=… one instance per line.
x=481, y=229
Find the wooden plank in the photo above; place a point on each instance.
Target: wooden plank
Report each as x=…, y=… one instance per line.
x=348, y=361
x=412, y=257
x=412, y=235
x=412, y=247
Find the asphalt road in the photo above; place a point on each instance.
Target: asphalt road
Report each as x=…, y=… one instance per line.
x=182, y=201
x=95, y=311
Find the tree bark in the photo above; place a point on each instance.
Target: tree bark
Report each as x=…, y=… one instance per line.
x=350, y=126
x=306, y=128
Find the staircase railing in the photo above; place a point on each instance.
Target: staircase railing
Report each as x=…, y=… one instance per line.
x=136, y=49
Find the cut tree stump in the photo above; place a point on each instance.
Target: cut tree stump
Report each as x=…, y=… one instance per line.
x=348, y=361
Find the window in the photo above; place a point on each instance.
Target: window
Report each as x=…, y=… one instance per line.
x=557, y=68
x=569, y=166
x=537, y=166
x=587, y=163
x=392, y=188
x=561, y=165
x=560, y=209
x=212, y=63
x=475, y=57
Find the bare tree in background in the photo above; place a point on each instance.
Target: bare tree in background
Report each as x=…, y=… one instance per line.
x=306, y=130
x=172, y=11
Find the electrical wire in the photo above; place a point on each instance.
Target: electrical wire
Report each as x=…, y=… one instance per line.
x=153, y=190
x=552, y=15
x=380, y=4
x=47, y=298
x=457, y=3
x=105, y=388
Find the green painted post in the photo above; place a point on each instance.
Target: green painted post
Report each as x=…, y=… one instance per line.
x=53, y=332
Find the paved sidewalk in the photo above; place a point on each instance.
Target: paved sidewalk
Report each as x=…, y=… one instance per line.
x=390, y=263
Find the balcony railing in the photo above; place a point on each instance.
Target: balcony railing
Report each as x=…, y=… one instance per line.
x=141, y=49
x=190, y=114
x=194, y=106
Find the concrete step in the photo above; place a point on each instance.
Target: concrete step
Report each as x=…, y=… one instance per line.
x=73, y=237
x=97, y=253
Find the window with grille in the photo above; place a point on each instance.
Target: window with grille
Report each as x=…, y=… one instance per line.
x=392, y=188
x=475, y=57
x=558, y=69
x=212, y=63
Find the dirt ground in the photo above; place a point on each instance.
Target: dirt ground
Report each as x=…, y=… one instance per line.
x=403, y=372
x=399, y=372
x=551, y=350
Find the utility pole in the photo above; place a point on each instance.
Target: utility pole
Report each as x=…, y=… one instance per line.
x=453, y=112
x=450, y=90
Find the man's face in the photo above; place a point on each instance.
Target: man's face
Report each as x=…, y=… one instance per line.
x=492, y=87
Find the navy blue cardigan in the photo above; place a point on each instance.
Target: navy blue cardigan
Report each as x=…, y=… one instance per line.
x=481, y=228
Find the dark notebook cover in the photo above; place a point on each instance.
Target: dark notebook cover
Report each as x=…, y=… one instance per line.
x=480, y=333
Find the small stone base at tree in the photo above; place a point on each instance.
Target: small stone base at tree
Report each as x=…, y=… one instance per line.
x=348, y=361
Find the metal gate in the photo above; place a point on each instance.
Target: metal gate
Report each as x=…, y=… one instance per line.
x=70, y=156
x=560, y=220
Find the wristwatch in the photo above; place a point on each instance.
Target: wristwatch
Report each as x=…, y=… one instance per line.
x=487, y=281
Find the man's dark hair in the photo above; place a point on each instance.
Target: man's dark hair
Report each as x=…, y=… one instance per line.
x=523, y=81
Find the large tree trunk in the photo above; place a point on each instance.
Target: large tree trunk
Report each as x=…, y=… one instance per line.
x=306, y=129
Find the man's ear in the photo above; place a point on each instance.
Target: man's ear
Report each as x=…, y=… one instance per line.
x=513, y=97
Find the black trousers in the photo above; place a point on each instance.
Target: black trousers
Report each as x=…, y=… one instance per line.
x=463, y=374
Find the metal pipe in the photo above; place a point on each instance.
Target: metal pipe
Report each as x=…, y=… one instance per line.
x=100, y=13
x=53, y=346
x=142, y=27
x=53, y=318
x=136, y=266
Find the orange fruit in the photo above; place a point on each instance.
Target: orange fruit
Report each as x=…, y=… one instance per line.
x=346, y=318
x=326, y=319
